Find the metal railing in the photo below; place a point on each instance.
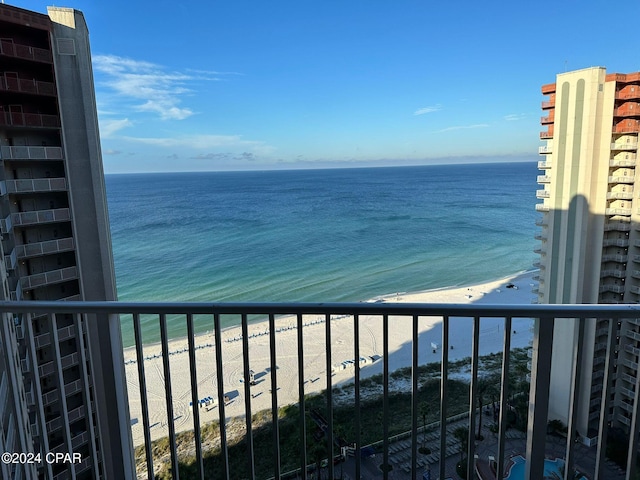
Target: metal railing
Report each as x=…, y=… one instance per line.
x=302, y=317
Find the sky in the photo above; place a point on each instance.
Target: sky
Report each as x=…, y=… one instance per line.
x=256, y=85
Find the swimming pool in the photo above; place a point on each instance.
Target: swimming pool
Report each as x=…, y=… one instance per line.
x=550, y=467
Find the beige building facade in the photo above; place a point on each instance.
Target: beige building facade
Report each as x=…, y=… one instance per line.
x=590, y=240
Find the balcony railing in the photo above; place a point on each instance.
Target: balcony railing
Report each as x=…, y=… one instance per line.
x=283, y=336
x=624, y=146
x=37, y=120
x=25, y=52
x=545, y=164
x=618, y=226
x=620, y=179
x=23, y=85
x=541, y=207
x=33, y=185
x=44, y=248
x=31, y=153
x=623, y=162
x=620, y=195
x=40, y=216
x=545, y=149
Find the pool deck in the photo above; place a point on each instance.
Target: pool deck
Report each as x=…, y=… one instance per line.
x=515, y=445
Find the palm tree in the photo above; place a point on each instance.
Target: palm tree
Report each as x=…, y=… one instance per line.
x=424, y=413
x=462, y=435
x=486, y=386
x=318, y=451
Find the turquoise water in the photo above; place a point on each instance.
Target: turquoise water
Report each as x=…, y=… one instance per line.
x=321, y=235
x=551, y=467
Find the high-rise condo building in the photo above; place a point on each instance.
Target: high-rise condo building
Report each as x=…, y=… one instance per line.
x=590, y=239
x=61, y=376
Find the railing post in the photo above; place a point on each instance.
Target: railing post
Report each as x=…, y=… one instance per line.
x=414, y=396
x=539, y=397
x=247, y=397
x=473, y=387
x=574, y=396
x=504, y=395
x=444, y=377
x=605, y=401
x=274, y=396
x=356, y=350
x=302, y=424
x=385, y=397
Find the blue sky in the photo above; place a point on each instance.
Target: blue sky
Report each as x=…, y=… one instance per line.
x=242, y=84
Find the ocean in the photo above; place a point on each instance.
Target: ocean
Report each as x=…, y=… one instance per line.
x=336, y=235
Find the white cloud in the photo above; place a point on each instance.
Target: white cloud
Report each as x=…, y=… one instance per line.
x=431, y=109
x=193, y=141
x=514, y=116
x=158, y=90
x=109, y=127
x=462, y=127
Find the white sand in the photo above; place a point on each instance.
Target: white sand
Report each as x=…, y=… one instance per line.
x=430, y=332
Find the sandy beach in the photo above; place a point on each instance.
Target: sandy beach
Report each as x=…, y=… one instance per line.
x=430, y=334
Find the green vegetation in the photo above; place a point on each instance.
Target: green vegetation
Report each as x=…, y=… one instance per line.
x=290, y=442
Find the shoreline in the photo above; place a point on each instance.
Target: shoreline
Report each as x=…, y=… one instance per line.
x=389, y=297
x=314, y=360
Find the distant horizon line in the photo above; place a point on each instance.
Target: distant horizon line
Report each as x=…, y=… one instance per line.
x=347, y=166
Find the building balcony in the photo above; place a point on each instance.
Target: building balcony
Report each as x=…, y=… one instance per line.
x=30, y=86
x=615, y=242
x=611, y=288
x=634, y=289
x=547, y=119
x=633, y=336
x=548, y=104
x=544, y=164
x=618, y=211
x=545, y=149
x=158, y=405
x=620, y=179
x=540, y=236
x=31, y=153
x=626, y=162
x=543, y=194
x=541, y=207
x=628, y=93
x=6, y=225
x=16, y=294
x=542, y=222
x=40, y=217
x=546, y=135
x=9, y=48
x=627, y=126
x=73, y=387
x=624, y=146
x=627, y=109
x=33, y=185
x=616, y=258
x=633, y=351
x=31, y=120
x=635, y=274
x=617, y=226
x=44, y=248
x=620, y=195
x=49, y=278
x=549, y=88
x=10, y=261
x=543, y=179
x=613, y=273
